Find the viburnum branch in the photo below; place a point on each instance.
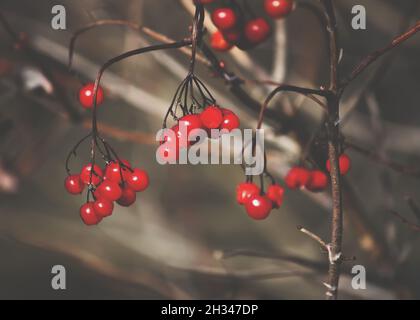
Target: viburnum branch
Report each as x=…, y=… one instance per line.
x=397, y=167
x=134, y=26
x=371, y=58
x=315, y=237
x=333, y=135
x=287, y=88
x=412, y=225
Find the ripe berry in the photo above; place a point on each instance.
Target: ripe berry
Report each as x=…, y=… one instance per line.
x=258, y=207
x=190, y=122
x=103, y=207
x=97, y=174
x=278, y=8
x=167, y=152
x=318, y=181
x=219, y=43
x=211, y=117
x=257, y=30
x=108, y=190
x=88, y=214
x=113, y=173
x=127, y=198
x=245, y=190
x=86, y=96
x=275, y=194
x=232, y=36
x=297, y=177
x=344, y=163
x=230, y=120
x=138, y=180
x=224, y=18
x=74, y=184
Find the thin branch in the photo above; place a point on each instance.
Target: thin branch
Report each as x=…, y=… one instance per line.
x=274, y=83
x=371, y=58
x=313, y=236
x=286, y=88
x=134, y=26
x=412, y=225
x=404, y=169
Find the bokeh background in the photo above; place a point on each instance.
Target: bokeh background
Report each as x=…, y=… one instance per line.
x=186, y=238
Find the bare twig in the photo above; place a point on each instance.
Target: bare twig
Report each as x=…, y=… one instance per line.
x=404, y=220
x=314, y=237
x=371, y=58
x=404, y=169
x=134, y=26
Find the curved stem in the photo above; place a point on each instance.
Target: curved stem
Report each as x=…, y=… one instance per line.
x=105, y=22
x=288, y=88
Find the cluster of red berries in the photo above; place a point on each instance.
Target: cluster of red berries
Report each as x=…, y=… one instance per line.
x=258, y=204
x=86, y=96
x=314, y=180
x=235, y=29
x=117, y=182
x=212, y=117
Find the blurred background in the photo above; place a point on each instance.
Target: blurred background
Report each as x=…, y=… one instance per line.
x=186, y=238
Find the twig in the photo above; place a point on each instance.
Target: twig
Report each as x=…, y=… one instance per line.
x=412, y=225
x=134, y=26
x=314, y=237
x=412, y=171
x=371, y=58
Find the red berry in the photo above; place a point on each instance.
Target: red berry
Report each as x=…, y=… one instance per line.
x=211, y=117
x=275, y=194
x=344, y=163
x=258, y=207
x=108, y=190
x=257, y=30
x=97, y=174
x=127, y=198
x=318, y=181
x=232, y=36
x=224, y=18
x=113, y=173
x=138, y=180
x=278, y=8
x=170, y=135
x=88, y=214
x=191, y=122
x=297, y=177
x=74, y=184
x=86, y=96
x=245, y=190
x=230, y=121
x=103, y=207
x=219, y=43
x=167, y=152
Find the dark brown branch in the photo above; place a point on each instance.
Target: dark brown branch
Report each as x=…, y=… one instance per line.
x=286, y=88
x=134, y=26
x=333, y=133
x=412, y=225
x=404, y=169
x=371, y=58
